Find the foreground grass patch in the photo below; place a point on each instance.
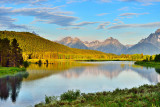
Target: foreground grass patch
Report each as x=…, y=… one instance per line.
x=10, y=70
x=146, y=95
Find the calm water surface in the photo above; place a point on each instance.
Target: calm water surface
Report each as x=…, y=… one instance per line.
x=27, y=89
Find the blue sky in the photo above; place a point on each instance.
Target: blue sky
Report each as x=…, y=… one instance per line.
x=126, y=20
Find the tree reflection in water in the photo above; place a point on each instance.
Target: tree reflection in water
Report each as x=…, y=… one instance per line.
x=10, y=86
x=157, y=70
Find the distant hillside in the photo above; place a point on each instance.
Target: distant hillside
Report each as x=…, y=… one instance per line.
x=30, y=42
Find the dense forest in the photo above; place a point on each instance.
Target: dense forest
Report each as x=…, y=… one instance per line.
x=10, y=53
x=36, y=47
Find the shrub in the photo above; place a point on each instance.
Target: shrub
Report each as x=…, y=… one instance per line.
x=157, y=58
x=25, y=64
x=50, y=99
x=70, y=95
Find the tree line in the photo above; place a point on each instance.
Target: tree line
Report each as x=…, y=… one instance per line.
x=10, y=53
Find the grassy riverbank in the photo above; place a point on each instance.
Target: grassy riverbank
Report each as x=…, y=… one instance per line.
x=146, y=95
x=148, y=64
x=10, y=70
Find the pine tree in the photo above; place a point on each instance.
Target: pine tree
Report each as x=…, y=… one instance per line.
x=16, y=54
x=157, y=58
x=4, y=52
x=0, y=50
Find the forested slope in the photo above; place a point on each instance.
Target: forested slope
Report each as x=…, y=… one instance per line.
x=32, y=43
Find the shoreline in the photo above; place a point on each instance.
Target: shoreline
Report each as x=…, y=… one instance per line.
x=145, y=95
x=51, y=61
x=148, y=64
x=10, y=71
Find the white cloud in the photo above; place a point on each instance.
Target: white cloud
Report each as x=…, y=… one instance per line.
x=51, y=17
x=84, y=23
x=106, y=1
x=144, y=2
x=116, y=19
x=74, y=1
x=141, y=0
x=47, y=14
x=123, y=9
x=22, y=1
x=102, y=14
x=148, y=25
x=132, y=14
x=103, y=25
x=70, y=28
x=42, y=14
x=80, y=1
x=7, y=22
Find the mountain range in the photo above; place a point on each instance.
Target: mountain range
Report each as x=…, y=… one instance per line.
x=149, y=45
x=73, y=43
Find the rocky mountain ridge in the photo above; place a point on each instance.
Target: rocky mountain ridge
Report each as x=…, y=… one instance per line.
x=149, y=45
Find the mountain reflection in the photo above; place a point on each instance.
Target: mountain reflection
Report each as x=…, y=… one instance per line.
x=148, y=73
x=112, y=71
x=10, y=86
x=45, y=70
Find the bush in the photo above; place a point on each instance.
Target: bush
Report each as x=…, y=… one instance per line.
x=70, y=95
x=157, y=58
x=25, y=64
x=50, y=99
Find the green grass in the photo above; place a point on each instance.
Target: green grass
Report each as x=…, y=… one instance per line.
x=144, y=96
x=148, y=64
x=4, y=71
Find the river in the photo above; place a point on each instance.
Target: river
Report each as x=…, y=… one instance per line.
x=28, y=89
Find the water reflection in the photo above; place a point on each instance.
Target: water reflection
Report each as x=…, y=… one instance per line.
x=112, y=70
x=45, y=70
x=148, y=73
x=157, y=70
x=10, y=86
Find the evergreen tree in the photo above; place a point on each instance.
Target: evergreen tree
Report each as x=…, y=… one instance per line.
x=157, y=58
x=4, y=52
x=16, y=58
x=150, y=58
x=0, y=49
